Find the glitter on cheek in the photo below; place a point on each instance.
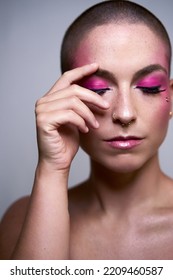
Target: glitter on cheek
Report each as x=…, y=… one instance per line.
x=158, y=108
x=167, y=99
x=163, y=110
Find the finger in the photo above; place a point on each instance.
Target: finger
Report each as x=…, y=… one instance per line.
x=71, y=103
x=82, y=93
x=73, y=75
x=49, y=122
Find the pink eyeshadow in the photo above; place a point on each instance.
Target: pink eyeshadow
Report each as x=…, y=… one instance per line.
x=94, y=83
x=152, y=81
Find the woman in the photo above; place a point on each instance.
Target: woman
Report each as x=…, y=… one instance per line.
x=114, y=99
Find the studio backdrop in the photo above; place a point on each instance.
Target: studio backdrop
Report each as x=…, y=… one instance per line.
x=30, y=37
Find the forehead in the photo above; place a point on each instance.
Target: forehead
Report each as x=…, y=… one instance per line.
x=125, y=45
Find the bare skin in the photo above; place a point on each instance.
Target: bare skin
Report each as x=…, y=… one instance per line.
x=125, y=209
x=143, y=233
x=133, y=231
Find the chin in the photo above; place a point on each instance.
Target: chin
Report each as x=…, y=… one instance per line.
x=123, y=168
x=122, y=164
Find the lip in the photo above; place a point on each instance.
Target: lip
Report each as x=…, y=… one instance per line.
x=124, y=142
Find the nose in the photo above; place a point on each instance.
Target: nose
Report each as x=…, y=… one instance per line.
x=124, y=109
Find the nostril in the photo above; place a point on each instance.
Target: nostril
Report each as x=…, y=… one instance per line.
x=124, y=122
x=124, y=111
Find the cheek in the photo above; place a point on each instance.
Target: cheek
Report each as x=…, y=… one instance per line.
x=160, y=118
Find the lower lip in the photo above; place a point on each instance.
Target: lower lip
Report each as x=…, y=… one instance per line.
x=125, y=144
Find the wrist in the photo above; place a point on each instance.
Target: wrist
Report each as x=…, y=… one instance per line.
x=48, y=167
x=47, y=172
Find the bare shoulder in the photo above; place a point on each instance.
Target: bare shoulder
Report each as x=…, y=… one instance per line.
x=11, y=225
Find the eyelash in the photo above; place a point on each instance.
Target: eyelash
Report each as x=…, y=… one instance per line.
x=100, y=91
x=151, y=90
x=146, y=90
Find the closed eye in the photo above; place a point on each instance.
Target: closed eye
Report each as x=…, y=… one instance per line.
x=151, y=90
x=100, y=91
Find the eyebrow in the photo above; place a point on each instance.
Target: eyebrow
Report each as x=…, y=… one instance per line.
x=139, y=74
x=105, y=74
x=148, y=70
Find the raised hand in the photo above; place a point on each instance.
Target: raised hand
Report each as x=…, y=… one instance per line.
x=62, y=113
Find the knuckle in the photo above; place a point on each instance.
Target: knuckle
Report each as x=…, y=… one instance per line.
x=70, y=114
x=66, y=74
x=41, y=119
x=75, y=88
x=74, y=100
x=38, y=102
x=37, y=108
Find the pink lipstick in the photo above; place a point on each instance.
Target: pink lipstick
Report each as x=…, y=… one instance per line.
x=124, y=143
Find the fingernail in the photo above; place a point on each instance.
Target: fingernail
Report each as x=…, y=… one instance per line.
x=94, y=64
x=96, y=124
x=106, y=104
x=86, y=129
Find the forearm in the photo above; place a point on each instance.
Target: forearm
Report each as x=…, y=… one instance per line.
x=60, y=115
x=45, y=233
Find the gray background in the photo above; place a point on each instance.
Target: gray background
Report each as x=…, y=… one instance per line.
x=30, y=36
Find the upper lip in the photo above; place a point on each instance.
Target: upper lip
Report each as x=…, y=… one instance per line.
x=124, y=138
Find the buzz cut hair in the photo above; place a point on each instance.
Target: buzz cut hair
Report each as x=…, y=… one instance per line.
x=107, y=12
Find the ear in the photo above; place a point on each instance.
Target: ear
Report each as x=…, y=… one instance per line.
x=171, y=95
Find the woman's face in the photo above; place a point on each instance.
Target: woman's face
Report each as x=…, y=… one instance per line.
x=133, y=73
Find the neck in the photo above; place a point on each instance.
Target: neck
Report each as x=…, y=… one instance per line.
x=125, y=190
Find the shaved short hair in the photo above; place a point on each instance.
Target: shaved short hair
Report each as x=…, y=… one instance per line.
x=117, y=11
